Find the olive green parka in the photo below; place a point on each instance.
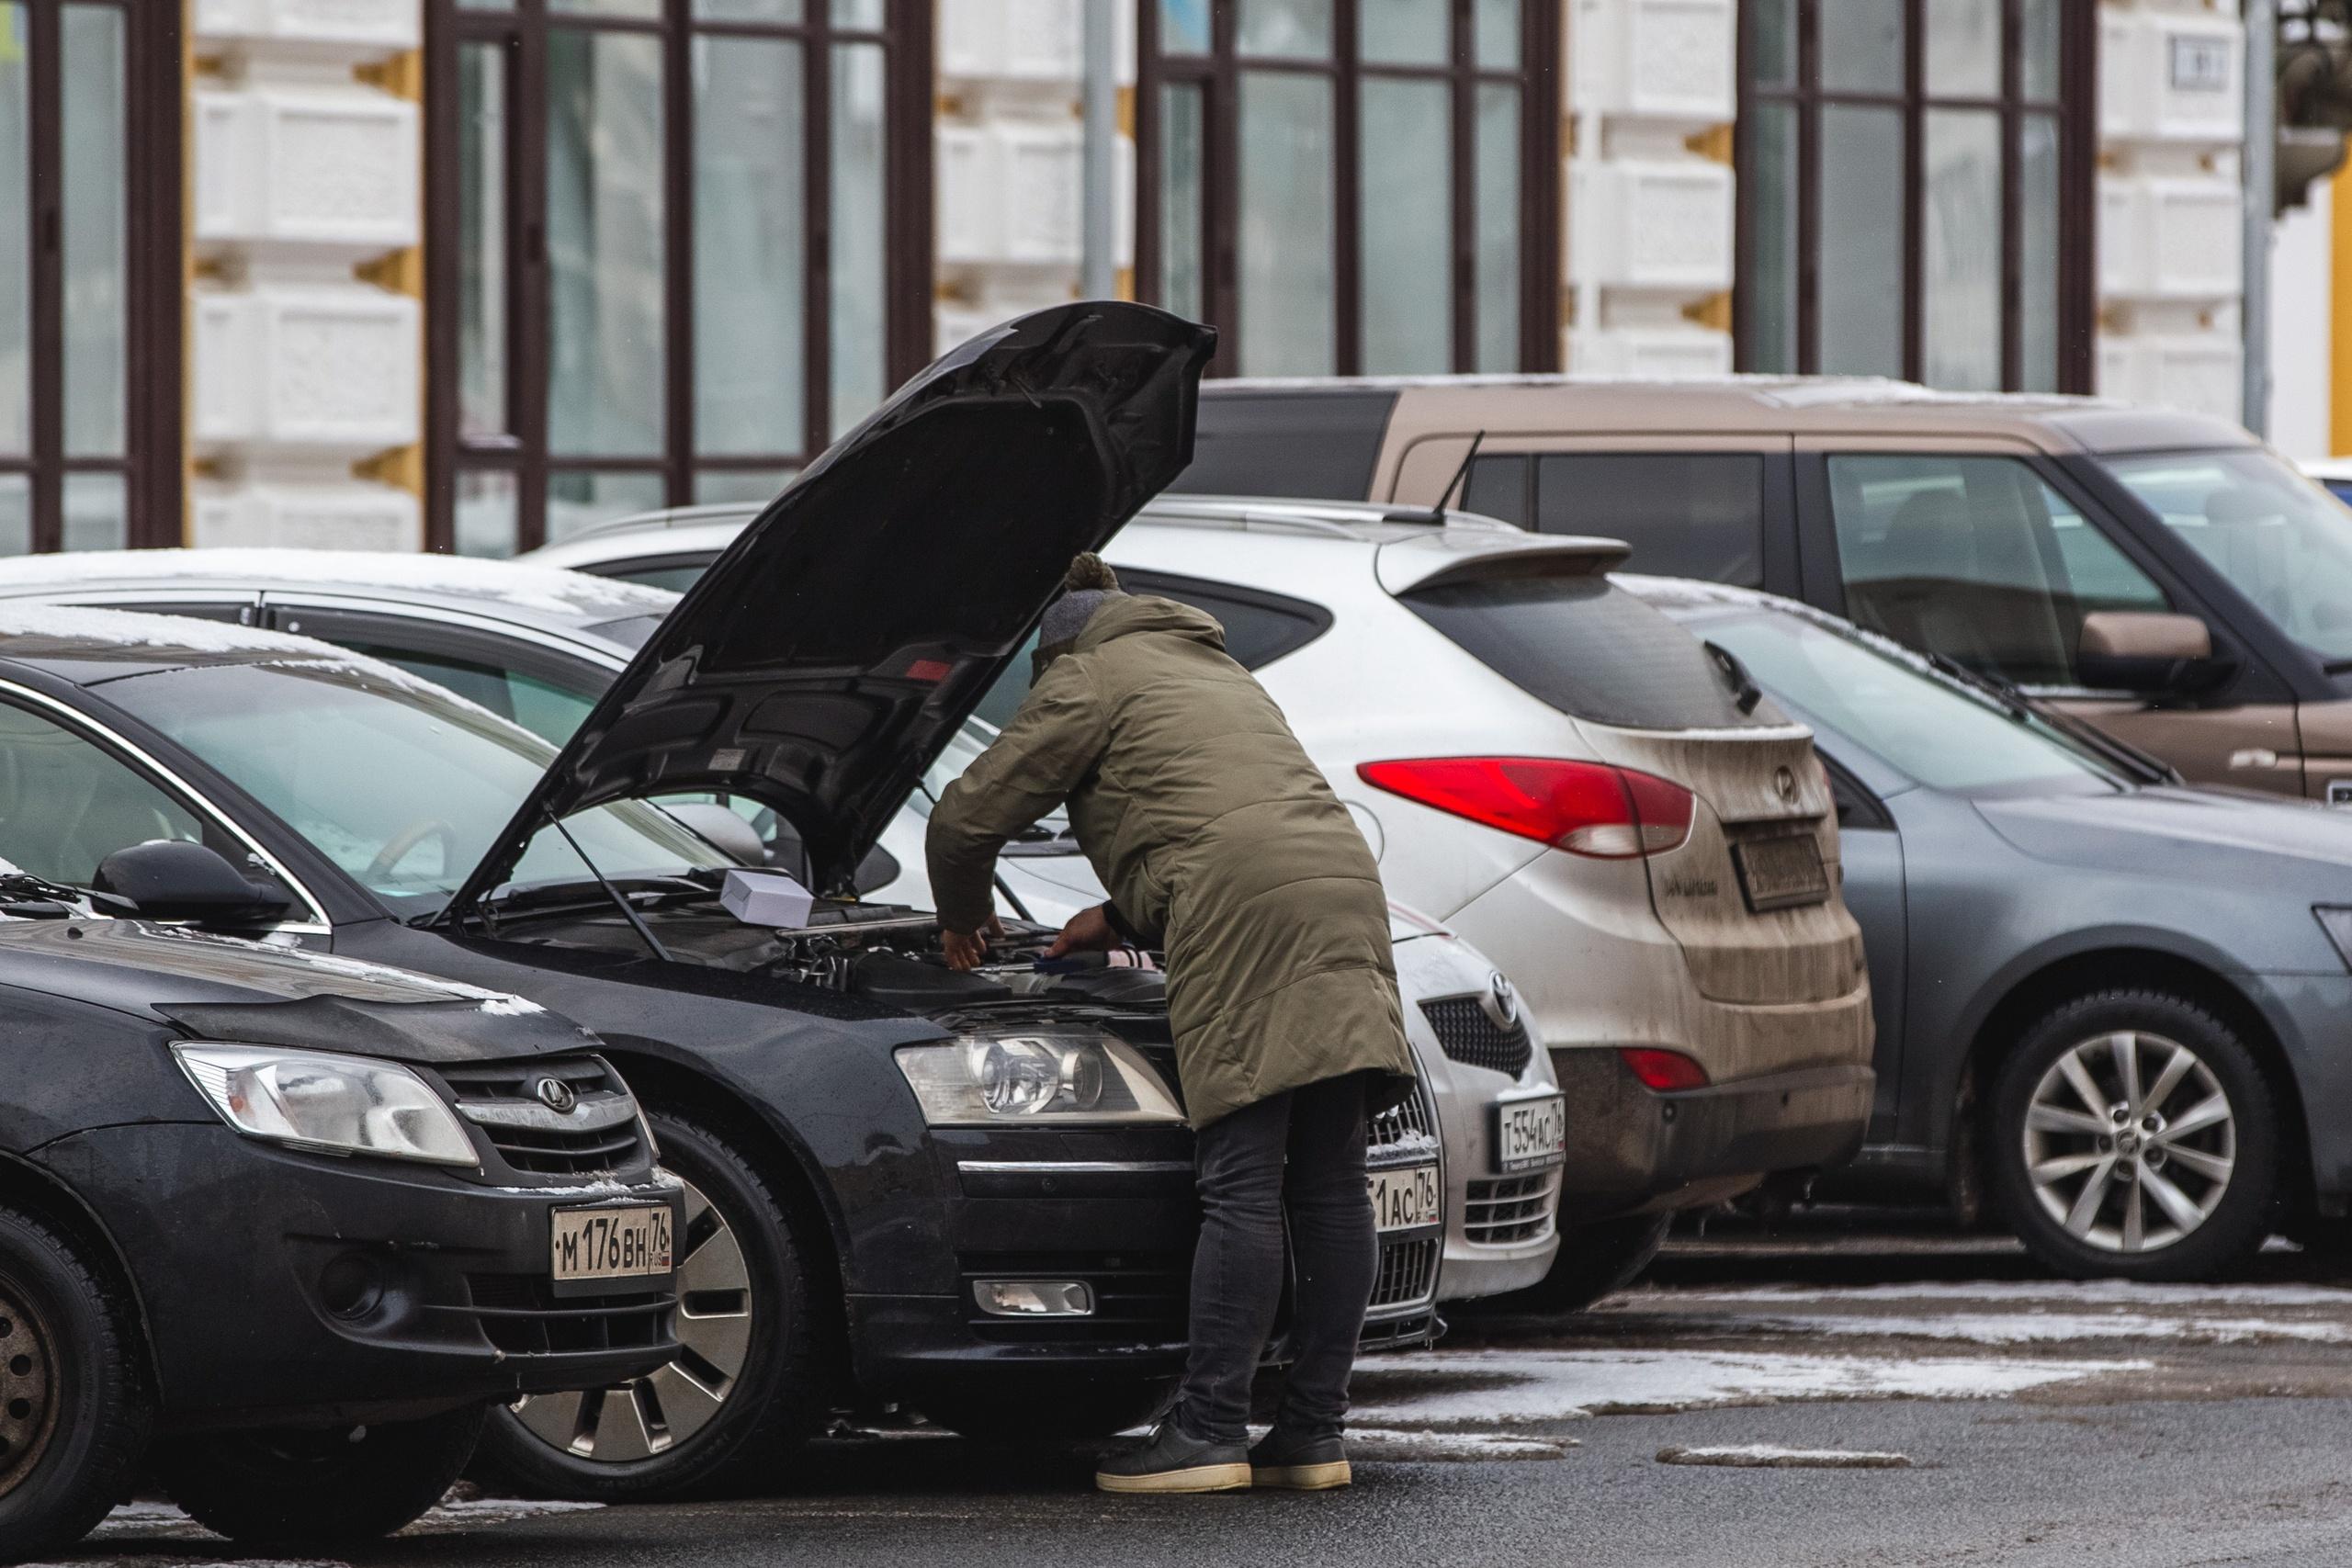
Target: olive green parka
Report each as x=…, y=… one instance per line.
x=1219, y=842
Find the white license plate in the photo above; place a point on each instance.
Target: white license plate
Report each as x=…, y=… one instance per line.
x=1530, y=1134
x=1404, y=1199
x=610, y=1243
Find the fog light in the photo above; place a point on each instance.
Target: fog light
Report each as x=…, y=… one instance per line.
x=352, y=1286
x=1035, y=1298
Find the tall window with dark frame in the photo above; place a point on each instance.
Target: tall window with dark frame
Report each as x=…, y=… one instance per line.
x=1353, y=186
x=90, y=280
x=1914, y=183
x=678, y=246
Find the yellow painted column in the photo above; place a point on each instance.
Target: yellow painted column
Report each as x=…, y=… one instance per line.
x=2339, y=313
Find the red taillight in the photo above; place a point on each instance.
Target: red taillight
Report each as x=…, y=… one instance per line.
x=1587, y=809
x=1665, y=1071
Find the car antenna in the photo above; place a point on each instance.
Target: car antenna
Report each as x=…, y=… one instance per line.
x=1437, y=512
x=636, y=920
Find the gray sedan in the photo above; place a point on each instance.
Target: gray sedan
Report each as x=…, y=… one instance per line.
x=2121, y=1003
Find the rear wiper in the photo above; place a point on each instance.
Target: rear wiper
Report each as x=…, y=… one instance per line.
x=1746, y=693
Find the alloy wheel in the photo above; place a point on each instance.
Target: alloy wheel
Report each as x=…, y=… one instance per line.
x=28, y=1392
x=653, y=1415
x=2130, y=1141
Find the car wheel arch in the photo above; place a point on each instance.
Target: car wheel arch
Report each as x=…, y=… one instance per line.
x=27, y=1187
x=665, y=1085
x=2081, y=973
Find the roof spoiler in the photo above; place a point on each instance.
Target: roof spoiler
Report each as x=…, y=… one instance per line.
x=1409, y=567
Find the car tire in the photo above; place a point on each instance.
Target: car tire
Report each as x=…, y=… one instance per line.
x=1595, y=1261
x=744, y=1300
x=2182, y=1185
x=317, y=1490
x=1047, y=1413
x=74, y=1412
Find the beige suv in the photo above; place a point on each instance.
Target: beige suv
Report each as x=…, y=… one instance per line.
x=2162, y=573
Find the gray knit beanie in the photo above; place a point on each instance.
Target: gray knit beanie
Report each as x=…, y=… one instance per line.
x=1086, y=588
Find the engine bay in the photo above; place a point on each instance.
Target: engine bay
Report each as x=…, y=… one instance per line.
x=887, y=955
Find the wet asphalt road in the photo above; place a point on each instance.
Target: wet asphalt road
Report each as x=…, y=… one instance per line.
x=2041, y=1423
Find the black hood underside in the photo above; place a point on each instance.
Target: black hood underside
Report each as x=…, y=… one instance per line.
x=826, y=658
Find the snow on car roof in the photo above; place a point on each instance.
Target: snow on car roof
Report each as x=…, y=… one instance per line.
x=545, y=590
x=73, y=631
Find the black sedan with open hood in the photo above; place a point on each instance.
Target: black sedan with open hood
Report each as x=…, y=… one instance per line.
x=970, y=1192
x=285, y=1225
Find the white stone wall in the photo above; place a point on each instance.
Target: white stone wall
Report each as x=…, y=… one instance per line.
x=1649, y=215
x=2171, y=123
x=1008, y=180
x=301, y=173
x=2302, y=359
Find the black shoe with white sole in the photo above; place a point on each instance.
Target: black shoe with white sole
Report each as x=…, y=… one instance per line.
x=1310, y=1464
x=1172, y=1462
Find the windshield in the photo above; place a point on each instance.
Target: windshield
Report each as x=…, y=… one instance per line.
x=399, y=784
x=1924, y=725
x=2279, y=539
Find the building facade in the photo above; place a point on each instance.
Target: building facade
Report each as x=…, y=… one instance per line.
x=472, y=274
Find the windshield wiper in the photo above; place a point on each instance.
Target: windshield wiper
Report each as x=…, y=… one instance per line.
x=2025, y=708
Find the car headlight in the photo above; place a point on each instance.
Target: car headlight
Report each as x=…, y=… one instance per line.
x=1064, y=1079
x=316, y=1099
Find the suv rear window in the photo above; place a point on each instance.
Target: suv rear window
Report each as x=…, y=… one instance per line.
x=1319, y=446
x=1686, y=513
x=1591, y=649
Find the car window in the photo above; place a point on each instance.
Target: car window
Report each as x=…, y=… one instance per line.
x=1977, y=559
x=1319, y=445
x=66, y=804
x=402, y=786
x=1924, y=725
x=548, y=711
x=1502, y=486
x=2277, y=539
x=1686, y=513
x=677, y=576
x=1591, y=651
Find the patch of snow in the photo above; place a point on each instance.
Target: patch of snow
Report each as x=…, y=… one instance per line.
x=511, y=1007
x=2049, y=1328
x=2102, y=1292
x=1424, y=1448
x=543, y=589
x=404, y=984
x=1517, y=1386
x=134, y=628
x=1764, y=1456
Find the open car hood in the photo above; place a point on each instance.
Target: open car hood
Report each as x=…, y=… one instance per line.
x=821, y=663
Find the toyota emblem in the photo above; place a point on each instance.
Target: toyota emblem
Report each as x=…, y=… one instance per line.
x=556, y=1095
x=1502, y=1000
x=1785, y=782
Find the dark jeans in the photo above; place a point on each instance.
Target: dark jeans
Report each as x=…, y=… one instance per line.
x=1302, y=1150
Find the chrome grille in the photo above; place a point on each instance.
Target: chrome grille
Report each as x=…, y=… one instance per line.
x=1471, y=1036
x=599, y=1133
x=1408, y=1272
x=1505, y=1211
x=1408, y=1127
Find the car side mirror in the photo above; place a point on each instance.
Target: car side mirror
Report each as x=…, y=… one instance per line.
x=172, y=879
x=2147, y=650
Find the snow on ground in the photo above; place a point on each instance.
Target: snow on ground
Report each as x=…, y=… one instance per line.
x=161, y=1519
x=1462, y=1388
x=1412, y=1446
x=2036, y=1327
x=1764, y=1456
x=2092, y=1293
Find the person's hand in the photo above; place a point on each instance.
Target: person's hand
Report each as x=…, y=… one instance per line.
x=1088, y=931
x=966, y=948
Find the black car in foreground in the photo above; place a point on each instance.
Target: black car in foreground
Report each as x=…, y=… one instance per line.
x=969, y=1192
x=282, y=1225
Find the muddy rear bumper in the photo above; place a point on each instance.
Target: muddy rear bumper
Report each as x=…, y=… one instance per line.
x=1632, y=1149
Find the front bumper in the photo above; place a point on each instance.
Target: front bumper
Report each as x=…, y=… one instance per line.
x=1115, y=1210
x=230, y=1242
x=1632, y=1150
